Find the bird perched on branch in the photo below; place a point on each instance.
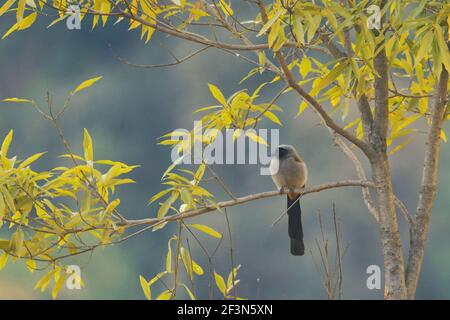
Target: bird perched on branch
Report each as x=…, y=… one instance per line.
x=289, y=173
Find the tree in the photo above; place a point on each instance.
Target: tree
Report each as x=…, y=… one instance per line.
x=341, y=57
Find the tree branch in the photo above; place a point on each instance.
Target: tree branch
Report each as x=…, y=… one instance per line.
x=428, y=186
x=381, y=120
x=241, y=200
x=317, y=106
x=289, y=78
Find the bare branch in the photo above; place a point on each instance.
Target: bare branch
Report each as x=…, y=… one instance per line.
x=241, y=200
x=170, y=64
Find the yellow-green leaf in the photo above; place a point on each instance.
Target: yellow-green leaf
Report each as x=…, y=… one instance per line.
x=28, y=21
x=58, y=285
x=189, y=292
x=169, y=256
x=443, y=136
x=253, y=136
x=226, y=8
x=302, y=107
x=166, y=295
x=159, y=195
x=16, y=100
x=21, y=24
x=30, y=160
x=20, y=10
x=330, y=77
x=6, y=6
x=157, y=277
x=270, y=22
x=145, y=288
x=208, y=230
x=220, y=283
x=44, y=281
x=6, y=143
x=217, y=94
x=87, y=145
x=3, y=260
x=187, y=261
x=166, y=205
x=425, y=46
x=31, y=265
x=8, y=199
x=86, y=84
x=400, y=146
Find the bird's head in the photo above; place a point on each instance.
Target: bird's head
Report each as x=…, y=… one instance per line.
x=284, y=151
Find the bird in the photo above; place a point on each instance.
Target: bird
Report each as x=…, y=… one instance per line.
x=289, y=173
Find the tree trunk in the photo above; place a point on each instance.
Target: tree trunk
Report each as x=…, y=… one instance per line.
x=394, y=276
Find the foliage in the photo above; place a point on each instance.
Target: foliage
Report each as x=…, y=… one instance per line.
x=328, y=48
x=66, y=211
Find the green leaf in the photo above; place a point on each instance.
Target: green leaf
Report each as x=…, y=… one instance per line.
x=169, y=255
x=270, y=22
x=189, y=292
x=425, y=46
x=443, y=48
x=414, y=13
x=208, y=230
x=330, y=77
x=86, y=84
x=186, y=257
x=17, y=241
x=166, y=205
x=8, y=199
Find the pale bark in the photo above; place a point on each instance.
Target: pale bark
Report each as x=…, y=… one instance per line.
x=241, y=200
x=394, y=279
x=428, y=185
x=394, y=276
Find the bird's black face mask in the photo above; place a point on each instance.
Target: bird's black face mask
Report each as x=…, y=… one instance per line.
x=282, y=153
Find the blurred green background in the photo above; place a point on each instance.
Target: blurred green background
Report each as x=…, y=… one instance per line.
x=125, y=113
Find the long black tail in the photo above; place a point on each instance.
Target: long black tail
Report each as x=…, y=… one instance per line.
x=295, y=227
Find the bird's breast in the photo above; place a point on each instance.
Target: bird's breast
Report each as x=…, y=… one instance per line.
x=288, y=173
